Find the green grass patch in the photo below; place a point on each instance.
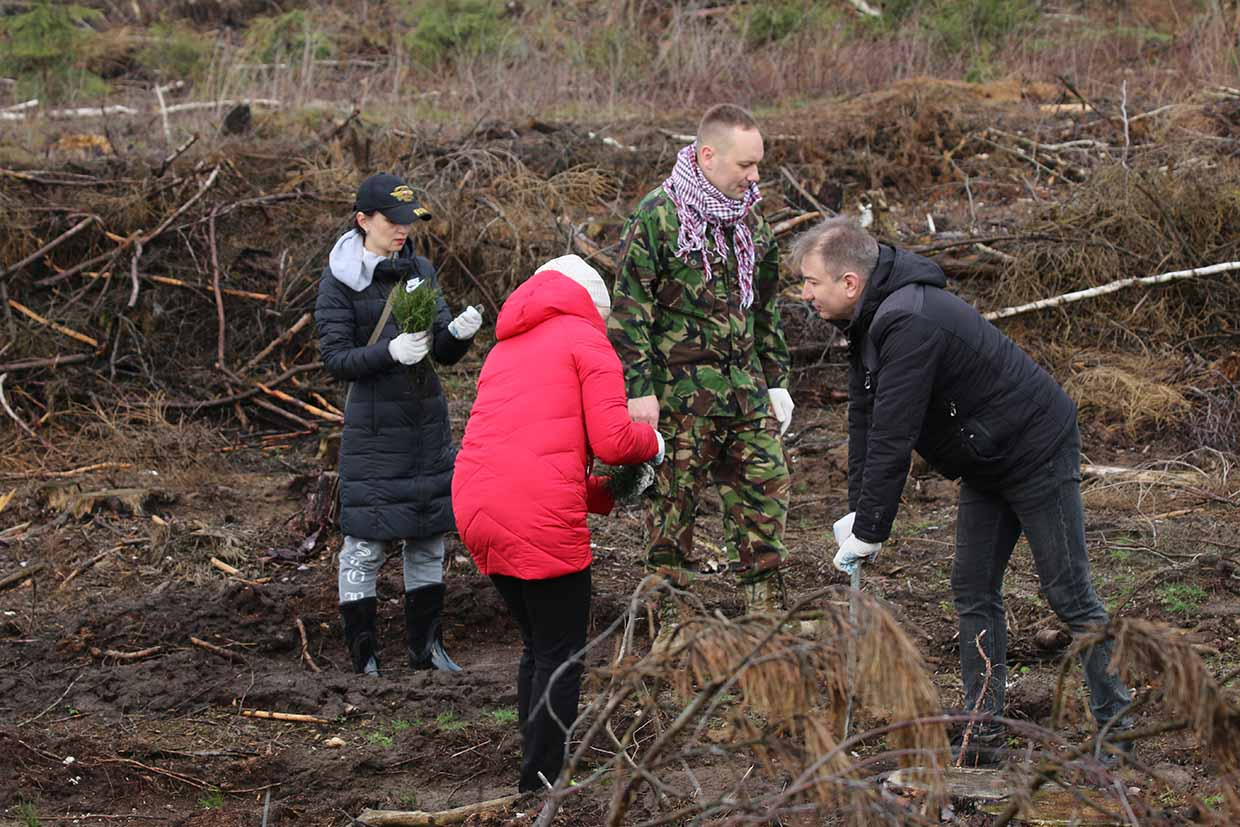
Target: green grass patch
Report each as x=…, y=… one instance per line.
x=381, y=739
x=448, y=722
x=504, y=716
x=212, y=800
x=1181, y=598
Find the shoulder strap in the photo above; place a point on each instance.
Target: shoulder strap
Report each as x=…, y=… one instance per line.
x=383, y=317
x=378, y=331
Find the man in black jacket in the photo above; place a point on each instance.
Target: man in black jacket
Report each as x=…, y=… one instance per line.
x=927, y=372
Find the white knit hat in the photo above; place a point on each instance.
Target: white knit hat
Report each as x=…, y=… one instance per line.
x=576, y=269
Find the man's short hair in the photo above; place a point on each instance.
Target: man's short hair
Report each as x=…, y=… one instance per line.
x=721, y=117
x=840, y=244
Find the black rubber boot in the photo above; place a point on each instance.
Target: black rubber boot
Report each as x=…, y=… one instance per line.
x=423, y=608
x=359, y=634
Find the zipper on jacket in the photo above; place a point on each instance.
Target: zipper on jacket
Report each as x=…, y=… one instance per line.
x=951, y=409
x=867, y=380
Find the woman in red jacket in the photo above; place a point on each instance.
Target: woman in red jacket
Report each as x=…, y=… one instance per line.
x=550, y=398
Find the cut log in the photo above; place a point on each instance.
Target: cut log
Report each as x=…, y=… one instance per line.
x=421, y=818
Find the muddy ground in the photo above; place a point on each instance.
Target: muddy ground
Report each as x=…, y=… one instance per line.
x=93, y=737
x=93, y=740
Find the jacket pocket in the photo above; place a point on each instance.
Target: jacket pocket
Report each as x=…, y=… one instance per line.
x=979, y=440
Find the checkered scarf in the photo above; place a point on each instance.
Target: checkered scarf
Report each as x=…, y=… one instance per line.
x=700, y=204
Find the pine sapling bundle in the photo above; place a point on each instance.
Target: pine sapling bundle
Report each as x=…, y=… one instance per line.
x=627, y=482
x=415, y=305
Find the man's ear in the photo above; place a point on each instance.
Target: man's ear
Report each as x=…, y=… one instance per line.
x=706, y=154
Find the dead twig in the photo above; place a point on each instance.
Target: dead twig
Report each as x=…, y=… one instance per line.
x=796, y=185
x=59, y=328
x=215, y=286
x=291, y=717
x=305, y=646
x=420, y=818
x=19, y=577
x=217, y=650
x=305, y=319
x=89, y=564
x=51, y=245
x=50, y=362
x=115, y=654
x=13, y=415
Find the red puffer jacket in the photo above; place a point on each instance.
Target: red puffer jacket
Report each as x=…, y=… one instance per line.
x=550, y=396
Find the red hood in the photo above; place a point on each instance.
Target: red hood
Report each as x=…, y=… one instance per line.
x=544, y=296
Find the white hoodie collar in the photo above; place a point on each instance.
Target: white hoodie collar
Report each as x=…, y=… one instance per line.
x=351, y=263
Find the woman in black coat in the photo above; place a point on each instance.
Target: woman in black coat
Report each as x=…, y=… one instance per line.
x=396, y=455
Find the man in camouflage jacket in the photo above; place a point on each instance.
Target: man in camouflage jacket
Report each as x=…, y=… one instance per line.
x=696, y=325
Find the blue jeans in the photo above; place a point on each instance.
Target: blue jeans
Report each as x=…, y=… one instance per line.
x=1046, y=505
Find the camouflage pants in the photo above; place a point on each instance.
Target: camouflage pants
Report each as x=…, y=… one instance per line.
x=744, y=459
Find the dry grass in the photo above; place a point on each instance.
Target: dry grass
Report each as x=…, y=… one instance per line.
x=1147, y=652
x=749, y=688
x=1126, y=390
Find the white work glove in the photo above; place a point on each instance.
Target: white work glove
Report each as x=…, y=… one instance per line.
x=843, y=527
x=781, y=406
x=410, y=348
x=466, y=325
x=854, y=552
x=658, y=458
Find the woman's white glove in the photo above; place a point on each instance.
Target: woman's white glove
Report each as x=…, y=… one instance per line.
x=466, y=325
x=853, y=552
x=843, y=527
x=410, y=348
x=658, y=458
x=781, y=407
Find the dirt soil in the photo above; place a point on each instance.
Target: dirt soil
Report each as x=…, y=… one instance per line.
x=91, y=737
x=162, y=740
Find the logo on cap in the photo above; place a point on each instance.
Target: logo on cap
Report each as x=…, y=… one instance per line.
x=402, y=193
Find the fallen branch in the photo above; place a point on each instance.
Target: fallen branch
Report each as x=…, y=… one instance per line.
x=59, y=328
x=796, y=221
x=72, y=472
x=88, y=565
x=227, y=291
x=176, y=153
x=246, y=394
x=284, y=716
x=305, y=646
x=215, y=287
x=115, y=654
x=217, y=650
x=305, y=319
x=420, y=818
x=587, y=248
x=796, y=185
x=49, y=246
x=50, y=362
x=1112, y=287
x=234, y=572
x=305, y=406
x=13, y=415
x=19, y=577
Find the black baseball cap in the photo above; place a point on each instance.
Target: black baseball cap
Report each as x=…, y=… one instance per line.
x=391, y=196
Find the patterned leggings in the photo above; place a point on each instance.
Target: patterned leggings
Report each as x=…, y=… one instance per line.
x=360, y=561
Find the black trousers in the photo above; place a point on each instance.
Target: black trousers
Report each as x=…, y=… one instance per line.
x=553, y=616
x=1046, y=507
